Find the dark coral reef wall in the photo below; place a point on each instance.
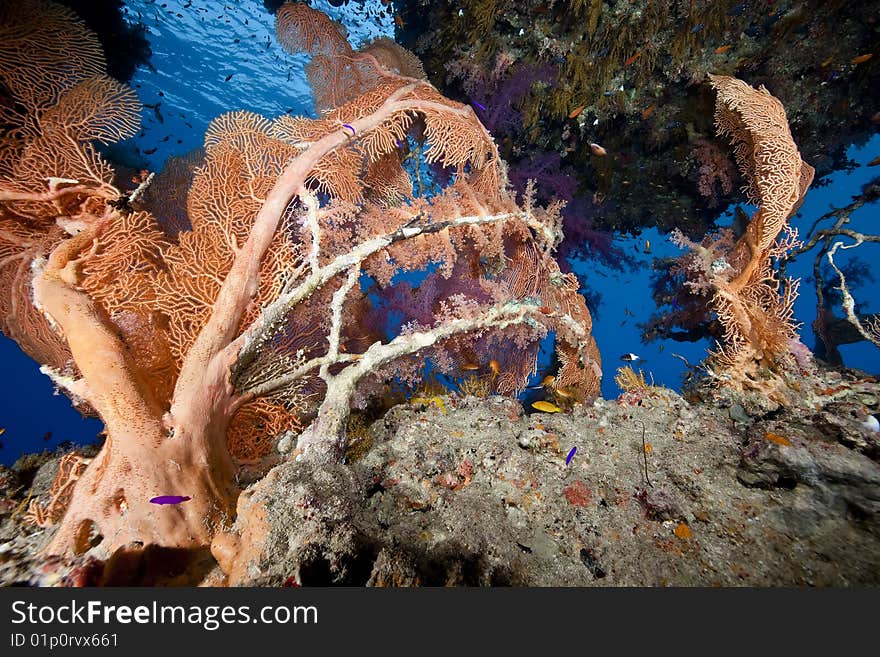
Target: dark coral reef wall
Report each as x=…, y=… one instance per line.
x=629, y=75
x=124, y=44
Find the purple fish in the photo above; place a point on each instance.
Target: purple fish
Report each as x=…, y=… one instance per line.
x=350, y=127
x=480, y=106
x=570, y=455
x=170, y=499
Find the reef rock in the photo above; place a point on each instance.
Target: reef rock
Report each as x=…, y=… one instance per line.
x=471, y=492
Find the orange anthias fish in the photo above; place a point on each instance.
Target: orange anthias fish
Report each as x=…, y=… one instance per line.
x=648, y=111
x=493, y=365
x=861, y=59
x=776, y=438
x=720, y=50
x=469, y=367
x=632, y=59
x=598, y=150
x=874, y=162
x=573, y=114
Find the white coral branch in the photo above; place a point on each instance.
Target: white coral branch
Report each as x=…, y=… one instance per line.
x=870, y=332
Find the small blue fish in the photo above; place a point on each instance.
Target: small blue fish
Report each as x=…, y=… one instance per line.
x=350, y=127
x=570, y=455
x=480, y=106
x=737, y=9
x=170, y=499
x=697, y=28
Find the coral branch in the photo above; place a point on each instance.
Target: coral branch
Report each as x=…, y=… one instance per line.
x=201, y=339
x=869, y=330
x=756, y=318
x=323, y=440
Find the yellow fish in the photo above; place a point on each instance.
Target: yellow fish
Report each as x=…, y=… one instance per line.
x=546, y=407
x=2, y=431
x=565, y=393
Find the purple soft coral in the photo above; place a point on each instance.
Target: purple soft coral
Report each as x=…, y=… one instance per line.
x=502, y=115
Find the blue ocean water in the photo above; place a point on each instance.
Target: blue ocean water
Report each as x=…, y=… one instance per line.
x=212, y=57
